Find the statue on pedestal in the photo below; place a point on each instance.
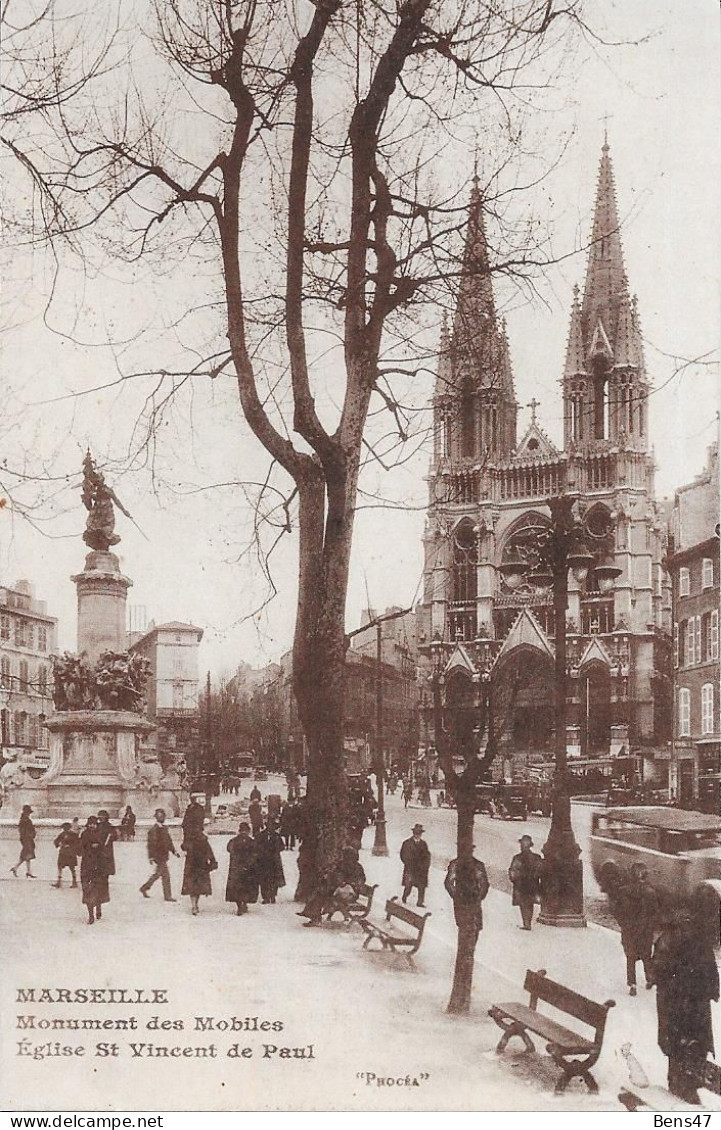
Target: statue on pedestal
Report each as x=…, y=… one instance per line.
x=98, y=499
x=73, y=683
x=120, y=678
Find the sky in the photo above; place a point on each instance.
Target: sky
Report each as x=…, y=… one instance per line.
x=655, y=94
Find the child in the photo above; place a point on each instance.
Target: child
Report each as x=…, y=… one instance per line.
x=68, y=842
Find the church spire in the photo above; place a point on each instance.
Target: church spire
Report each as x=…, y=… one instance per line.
x=606, y=283
x=575, y=361
x=476, y=307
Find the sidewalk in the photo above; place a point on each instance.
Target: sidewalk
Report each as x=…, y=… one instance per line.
x=359, y=1013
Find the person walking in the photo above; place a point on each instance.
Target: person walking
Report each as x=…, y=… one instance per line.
x=255, y=815
x=160, y=848
x=525, y=875
x=109, y=834
x=242, y=885
x=127, y=825
x=416, y=860
x=255, y=793
x=687, y=980
x=467, y=884
x=269, y=845
x=407, y=793
x=68, y=843
x=199, y=862
x=635, y=906
x=26, y=833
x=194, y=817
x=93, y=876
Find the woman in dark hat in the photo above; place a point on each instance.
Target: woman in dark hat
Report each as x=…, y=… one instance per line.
x=26, y=832
x=199, y=862
x=93, y=875
x=242, y=885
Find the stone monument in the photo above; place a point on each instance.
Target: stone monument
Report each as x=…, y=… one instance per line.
x=98, y=726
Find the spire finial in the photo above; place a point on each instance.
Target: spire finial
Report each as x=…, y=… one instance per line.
x=605, y=118
x=533, y=404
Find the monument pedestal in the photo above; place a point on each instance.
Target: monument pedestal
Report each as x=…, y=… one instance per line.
x=94, y=763
x=102, y=596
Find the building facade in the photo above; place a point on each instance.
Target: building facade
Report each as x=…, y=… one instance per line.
x=27, y=641
x=172, y=689
x=488, y=497
x=694, y=566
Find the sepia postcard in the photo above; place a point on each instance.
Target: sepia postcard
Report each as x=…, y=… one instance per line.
x=359, y=557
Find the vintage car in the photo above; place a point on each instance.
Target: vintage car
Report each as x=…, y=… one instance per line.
x=682, y=850
x=509, y=802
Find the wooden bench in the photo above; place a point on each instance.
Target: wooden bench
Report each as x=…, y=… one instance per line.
x=659, y=1099
x=354, y=911
x=563, y=1043
x=391, y=933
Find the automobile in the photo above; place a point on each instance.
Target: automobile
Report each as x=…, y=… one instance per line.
x=509, y=802
x=681, y=850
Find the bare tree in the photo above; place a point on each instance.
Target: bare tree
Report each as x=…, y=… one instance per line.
x=302, y=152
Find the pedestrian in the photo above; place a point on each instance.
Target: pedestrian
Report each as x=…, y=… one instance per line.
x=68, y=843
x=127, y=825
x=199, y=862
x=255, y=815
x=194, y=817
x=407, y=793
x=635, y=905
x=93, y=877
x=416, y=860
x=255, y=793
x=467, y=884
x=160, y=848
x=242, y=885
x=525, y=875
x=108, y=834
x=26, y=833
x=287, y=826
x=271, y=876
x=687, y=980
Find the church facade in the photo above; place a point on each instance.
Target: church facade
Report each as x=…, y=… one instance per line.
x=488, y=494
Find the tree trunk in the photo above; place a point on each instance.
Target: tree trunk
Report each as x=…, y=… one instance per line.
x=460, y=1000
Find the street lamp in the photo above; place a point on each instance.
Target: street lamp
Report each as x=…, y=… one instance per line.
x=561, y=547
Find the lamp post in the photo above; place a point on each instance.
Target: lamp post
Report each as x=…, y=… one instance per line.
x=562, y=547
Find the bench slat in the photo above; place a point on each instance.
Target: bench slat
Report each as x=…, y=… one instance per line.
x=543, y=1026
x=566, y=1000
x=398, y=910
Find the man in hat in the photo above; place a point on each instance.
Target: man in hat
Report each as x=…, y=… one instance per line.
x=416, y=860
x=525, y=875
x=160, y=847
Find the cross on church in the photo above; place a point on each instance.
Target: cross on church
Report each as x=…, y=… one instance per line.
x=604, y=118
x=533, y=404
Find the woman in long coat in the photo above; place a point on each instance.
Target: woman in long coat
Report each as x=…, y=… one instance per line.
x=687, y=980
x=93, y=872
x=242, y=885
x=26, y=832
x=199, y=862
x=269, y=844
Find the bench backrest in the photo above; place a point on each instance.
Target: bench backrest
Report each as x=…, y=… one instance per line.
x=397, y=910
x=366, y=894
x=566, y=1000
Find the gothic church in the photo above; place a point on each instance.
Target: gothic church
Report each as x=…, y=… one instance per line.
x=488, y=501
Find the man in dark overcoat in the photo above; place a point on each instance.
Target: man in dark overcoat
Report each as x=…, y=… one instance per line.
x=635, y=905
x=242, y=885
x=687, y=980
x=525, y=875
x=160, y=848
x=194, y=817
x=416, y=860
x=467, y=884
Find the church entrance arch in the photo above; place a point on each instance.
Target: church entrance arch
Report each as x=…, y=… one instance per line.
x=523, y=704
x=595, y=688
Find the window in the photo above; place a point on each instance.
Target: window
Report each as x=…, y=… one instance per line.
x=684, y=712
x=21, y=727
x=713, y=635
x=684, y=582
x=675, y=645
x=690, y=642
x=19, y=633
x=707, y=573
x=697, y=639
x=24, y=675
x=42, y=638
x=4, y=671
x=682, y=643
x=707, y=726
x=4, y=626
x=177, y=696
x=29, y=634
x=32, y=731
x=42, y=679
